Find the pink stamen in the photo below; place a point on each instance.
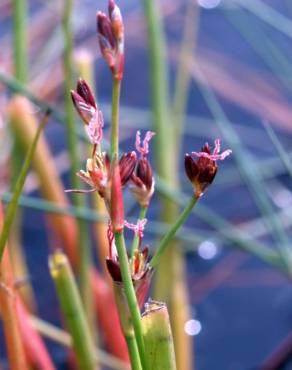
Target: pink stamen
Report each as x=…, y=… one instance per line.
x=143, y=149
x=137, y=228
x=217, y=146
x=215, y=156
x=94, y=128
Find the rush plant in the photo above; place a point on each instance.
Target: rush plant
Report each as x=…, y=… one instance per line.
x=107, y=174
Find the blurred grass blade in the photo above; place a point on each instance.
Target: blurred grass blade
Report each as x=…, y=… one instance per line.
x=279, y=147
x=10, y=319
x=74, y=315
x=62, y=337
x=51, y=188
x=269, y=15
x=20, y=44
x=12, y=207
x=263, y=45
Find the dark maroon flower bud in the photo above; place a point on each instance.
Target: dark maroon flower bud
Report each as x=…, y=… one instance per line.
x=104, y=29
x=114, y=269
x=85, y=92
x=144, y=173
x=202, y=171
x=84, y=101
x=111, y=39
x=127, y=165
x=142, y=181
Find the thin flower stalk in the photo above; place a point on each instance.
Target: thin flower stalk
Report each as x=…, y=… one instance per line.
x=172, y=231
x=111, y=39
x=131, y=296
x=72, y=309
x=85, y=66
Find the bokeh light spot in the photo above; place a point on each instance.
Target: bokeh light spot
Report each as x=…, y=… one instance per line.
x=193, y=327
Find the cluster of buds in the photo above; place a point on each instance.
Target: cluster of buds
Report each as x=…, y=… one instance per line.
x=98, y=168
x=202, y=171
x=139, y=267
x=110, y=30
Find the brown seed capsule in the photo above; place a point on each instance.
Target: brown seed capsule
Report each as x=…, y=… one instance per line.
x=202, y=171
x=127, y=165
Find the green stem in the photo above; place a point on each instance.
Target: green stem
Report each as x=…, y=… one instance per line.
x=68, y=85
x=73, y=311
x=130, y=295
x=158, y=88
x=115, y=118
x=172, y=231
x=135, y=244
x=133, y=352
x=11, y=210
x=20, y=45
x=183, y=75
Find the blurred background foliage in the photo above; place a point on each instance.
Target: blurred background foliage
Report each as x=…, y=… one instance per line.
x=237, y=54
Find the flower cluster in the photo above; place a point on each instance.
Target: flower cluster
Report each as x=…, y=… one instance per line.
x=138, y=263
x=108, y=176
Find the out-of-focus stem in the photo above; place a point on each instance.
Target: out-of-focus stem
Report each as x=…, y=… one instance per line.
x=135, y=244
x=64, y=338
x=131, y=296
x=12, y=207
x=84, y=242
x=20, y=45
x=172, y=231
x=14, y=344
x=183, y=75
x=159, y=87
x=72, y=309
x=68, y=85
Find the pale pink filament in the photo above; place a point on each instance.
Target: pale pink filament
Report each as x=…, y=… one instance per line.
x=143, y=149
x=94, y=128
x=137, y=228
x=215, y=156
x=111, y=240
